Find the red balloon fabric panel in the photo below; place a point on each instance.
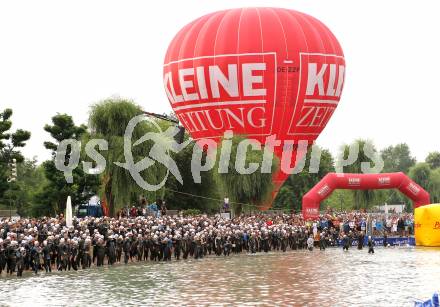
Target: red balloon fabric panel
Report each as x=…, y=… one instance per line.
x=255, y=71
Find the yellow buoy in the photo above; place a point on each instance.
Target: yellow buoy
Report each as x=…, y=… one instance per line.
x=427, y=225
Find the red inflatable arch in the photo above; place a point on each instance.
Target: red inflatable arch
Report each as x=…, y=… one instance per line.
x=333, y=181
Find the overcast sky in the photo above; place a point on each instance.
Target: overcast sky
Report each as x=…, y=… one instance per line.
x=62, y=56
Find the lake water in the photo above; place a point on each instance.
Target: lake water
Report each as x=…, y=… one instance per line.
x=390, y=277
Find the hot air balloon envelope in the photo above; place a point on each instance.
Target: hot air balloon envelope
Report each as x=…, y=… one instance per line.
x=256, y=71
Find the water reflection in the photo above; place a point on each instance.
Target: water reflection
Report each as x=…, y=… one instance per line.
x=390, y=277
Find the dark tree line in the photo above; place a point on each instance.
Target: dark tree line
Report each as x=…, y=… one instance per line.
x=41, y=189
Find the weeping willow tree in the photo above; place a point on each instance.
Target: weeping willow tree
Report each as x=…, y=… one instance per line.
x=253, y=188
x=201, y=195
x=434, y=185
x=296, y=185
x=366, y=152
x=108, y=120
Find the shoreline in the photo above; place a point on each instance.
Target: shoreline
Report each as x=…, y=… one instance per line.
x=94, y=267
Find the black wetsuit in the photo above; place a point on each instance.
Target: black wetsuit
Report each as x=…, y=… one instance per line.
x=126, y=247
x=46, y=258
x=11, y=259
x=111, y=252
x=79, y=258
x=20, y=262
x=177, y=248
x=146, y=247
x=2, y=258
x=100, y=254
x=361, y=241
x=35, y=255
x=119, y=245
x=73, y=261
x=370, y=246
x=322, y=242
x=87, y=258
x=60, y=257
x=345, y=243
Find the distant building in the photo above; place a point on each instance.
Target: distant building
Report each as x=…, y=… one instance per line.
x=396, y=208
x=9, y=213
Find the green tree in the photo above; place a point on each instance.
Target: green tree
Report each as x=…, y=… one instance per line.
x=191, y=195
x=397, y=158
x=434, y=185
x=31, y=182
x=340, y=200
x=362, y=198
x=10, y=144
x=421, y=174
x=296, y=185
x=108, y=120
x=252, y=188
x=53, y=197
x=286, y=198
x=433, y=159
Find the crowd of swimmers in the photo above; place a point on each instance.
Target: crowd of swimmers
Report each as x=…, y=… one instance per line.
x=48, y=244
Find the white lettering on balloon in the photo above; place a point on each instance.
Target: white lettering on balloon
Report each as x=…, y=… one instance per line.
x=319, y=90
x=229, y=81
x=316, y=79
x=223, y=118
x=214, y=93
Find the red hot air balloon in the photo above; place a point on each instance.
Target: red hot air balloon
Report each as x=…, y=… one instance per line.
x=258, y=72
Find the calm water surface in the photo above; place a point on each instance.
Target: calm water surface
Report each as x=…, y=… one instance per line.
x=390, y=277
